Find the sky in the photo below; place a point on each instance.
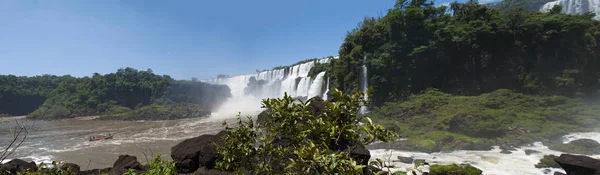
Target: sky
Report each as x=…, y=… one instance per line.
x=183, y=38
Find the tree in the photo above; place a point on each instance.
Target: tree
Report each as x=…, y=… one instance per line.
x=312, y=136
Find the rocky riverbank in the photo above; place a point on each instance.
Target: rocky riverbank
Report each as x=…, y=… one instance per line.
x=198, y=156
x=435, y=121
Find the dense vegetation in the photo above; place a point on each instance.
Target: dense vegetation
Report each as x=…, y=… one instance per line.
x=437, y=121
x=532, y=5
x=470, y=49
x=21, y=95
x=127, y=93
x=313, y=137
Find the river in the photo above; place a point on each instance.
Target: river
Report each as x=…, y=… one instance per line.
x=67, y=141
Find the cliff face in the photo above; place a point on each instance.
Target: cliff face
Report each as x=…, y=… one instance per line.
x=575, y=6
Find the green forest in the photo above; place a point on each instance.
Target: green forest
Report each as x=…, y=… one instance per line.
x=470, y=49
x=469, y=76
x=126, y=94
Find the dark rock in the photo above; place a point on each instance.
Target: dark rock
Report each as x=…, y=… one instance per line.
x=124, y=163
x=18, y=165
x=317, y=104
x=71, y=167
x=408, y=160
x=530, y=151
x=371, y=170
x=546, y=171
x=197, y=152
x=205, y=171
x=579, y=165
x=361, y=155
x=507, y=149
x=262, y=118
x=559, y=173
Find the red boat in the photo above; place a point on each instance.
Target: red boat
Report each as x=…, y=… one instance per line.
x=101, y=137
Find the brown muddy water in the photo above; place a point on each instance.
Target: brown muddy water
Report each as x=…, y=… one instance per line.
x=67, y=140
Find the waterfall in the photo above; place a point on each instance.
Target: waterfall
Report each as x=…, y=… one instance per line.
x=575, y=6
x=292, y=80
x=326, y=90
x=365, y=86
x=316, y=86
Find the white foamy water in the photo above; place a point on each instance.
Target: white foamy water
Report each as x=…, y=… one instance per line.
x=490, y=162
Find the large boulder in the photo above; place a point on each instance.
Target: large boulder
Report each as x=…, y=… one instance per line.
x=196, y=152
x=18, y=165
x=580, y=146
x=579, y=165
x=124, y=163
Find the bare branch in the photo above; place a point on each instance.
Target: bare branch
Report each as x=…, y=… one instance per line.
x=18, y=131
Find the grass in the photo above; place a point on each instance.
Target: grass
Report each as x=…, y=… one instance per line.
x=436, y=121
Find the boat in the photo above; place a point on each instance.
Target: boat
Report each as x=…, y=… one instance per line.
x=101, y=137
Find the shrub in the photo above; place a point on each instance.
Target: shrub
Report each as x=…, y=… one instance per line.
x=308, y=137
x=157, y=167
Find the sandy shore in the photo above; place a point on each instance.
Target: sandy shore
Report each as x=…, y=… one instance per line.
x=83, y=118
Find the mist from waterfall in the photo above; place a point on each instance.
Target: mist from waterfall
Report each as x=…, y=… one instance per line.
x=293, y=80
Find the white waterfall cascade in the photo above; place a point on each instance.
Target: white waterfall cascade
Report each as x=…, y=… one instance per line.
x=326, y=90
x=365, y=86
x=292, y=80
x=575, y=6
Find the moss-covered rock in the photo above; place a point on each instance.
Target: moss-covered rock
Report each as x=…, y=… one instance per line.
x=580, y=146
x=548, y=162
x=454, y=170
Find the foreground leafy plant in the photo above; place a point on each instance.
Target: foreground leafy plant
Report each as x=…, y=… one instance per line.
x=312, y=137
x=157, y=167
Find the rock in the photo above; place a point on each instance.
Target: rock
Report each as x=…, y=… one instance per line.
x=408, y=160
x=197, y=152
x=576, y=164
x=371, y=170
x=18, y=165
x=580, y=146
x=70, y=167
x=530, y=151
x=505, y=151
x=124, y=163
x=546, y=171
x=262, y=117
x=317, y=104
x=559, y=173
x=361, y=155
x=548, y=162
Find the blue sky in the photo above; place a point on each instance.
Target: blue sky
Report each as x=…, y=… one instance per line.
x=183, y=38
